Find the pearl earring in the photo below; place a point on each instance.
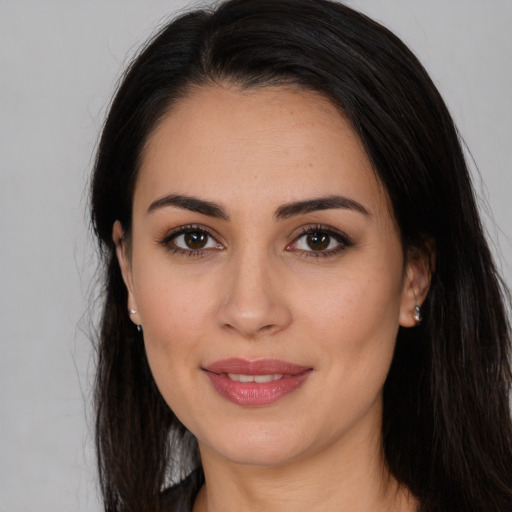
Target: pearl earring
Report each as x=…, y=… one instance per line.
x=134, y=312
x=417, y=314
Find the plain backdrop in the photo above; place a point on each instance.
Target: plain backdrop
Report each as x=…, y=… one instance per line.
x=59, y=62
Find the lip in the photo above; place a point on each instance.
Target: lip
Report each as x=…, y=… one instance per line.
x=255, y=394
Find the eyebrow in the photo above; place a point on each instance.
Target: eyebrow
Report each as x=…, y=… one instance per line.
x=190, y=203
x=321, y=203
x=285, y=211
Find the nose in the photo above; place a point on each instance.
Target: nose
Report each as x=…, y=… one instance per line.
x=253, y=299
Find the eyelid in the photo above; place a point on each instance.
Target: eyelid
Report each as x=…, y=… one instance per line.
x=166, y=241
x=344, y=241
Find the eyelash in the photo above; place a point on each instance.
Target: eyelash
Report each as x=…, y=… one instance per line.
x=168, y=240
x=344, y=242
x=341, y=238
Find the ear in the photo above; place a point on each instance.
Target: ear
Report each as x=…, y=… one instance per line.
x=123, y=257
x=418, y=274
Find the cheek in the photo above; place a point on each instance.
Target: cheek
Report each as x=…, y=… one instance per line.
x=173, y=310
x=171, y=333
x=356, y=305
x=171, y=302
x=355, y=322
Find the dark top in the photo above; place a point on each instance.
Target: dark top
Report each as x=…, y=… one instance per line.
x=181, y=497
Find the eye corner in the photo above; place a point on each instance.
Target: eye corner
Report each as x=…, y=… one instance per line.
x=191, y=240
x=330, y=242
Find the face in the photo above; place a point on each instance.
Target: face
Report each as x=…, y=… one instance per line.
x=267, y=273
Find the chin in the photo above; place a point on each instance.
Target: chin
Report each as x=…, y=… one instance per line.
x=262, y=456
x=258, y=446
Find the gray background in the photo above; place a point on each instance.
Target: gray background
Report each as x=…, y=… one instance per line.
x=59, y=62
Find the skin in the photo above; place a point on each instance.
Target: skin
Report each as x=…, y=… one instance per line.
x=258, y=290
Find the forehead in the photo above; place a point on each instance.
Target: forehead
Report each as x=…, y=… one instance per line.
x=280, y=142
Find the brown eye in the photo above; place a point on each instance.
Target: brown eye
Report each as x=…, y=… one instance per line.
x=318, y=241
x=191, y=240
x=195, y=240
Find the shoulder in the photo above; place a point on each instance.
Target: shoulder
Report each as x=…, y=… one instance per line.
x=180, y=497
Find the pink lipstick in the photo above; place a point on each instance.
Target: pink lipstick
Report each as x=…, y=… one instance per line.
x=255, y=383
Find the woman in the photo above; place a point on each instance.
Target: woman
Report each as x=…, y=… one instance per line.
x=301, y=310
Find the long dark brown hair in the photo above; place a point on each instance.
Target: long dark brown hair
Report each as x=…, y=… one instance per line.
x=446, y=423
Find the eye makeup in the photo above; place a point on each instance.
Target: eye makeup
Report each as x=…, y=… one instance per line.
x=191, y=240
x=320, y=241
x=316, y=241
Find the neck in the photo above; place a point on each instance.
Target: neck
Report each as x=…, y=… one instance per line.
x=343, y=479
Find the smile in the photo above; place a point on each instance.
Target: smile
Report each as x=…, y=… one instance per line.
x=255, y=383
x=237, y=377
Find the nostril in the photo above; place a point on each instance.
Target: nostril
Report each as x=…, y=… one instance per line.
x=249, y=303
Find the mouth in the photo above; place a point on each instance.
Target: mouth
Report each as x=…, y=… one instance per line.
x=255, y=383
x=260, y=379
